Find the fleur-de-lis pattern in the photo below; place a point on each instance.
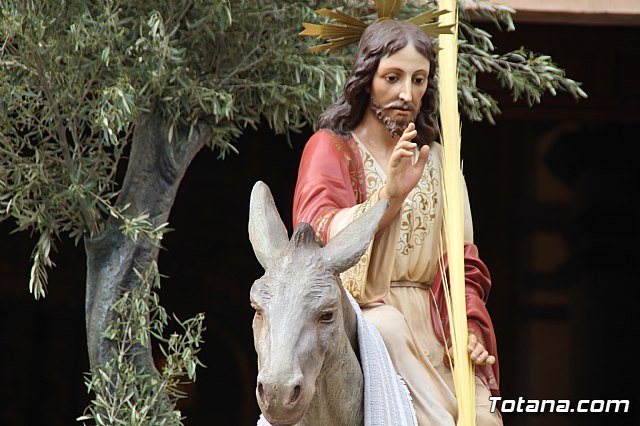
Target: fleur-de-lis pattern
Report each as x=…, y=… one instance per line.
x=419, y=211
x=419, y=208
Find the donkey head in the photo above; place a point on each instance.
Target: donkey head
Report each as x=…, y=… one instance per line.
x=299, y=319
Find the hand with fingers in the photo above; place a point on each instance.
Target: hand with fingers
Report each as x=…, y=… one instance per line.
x=477, y=352
x=403, y=173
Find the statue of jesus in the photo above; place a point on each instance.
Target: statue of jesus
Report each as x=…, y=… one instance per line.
x=378, y=142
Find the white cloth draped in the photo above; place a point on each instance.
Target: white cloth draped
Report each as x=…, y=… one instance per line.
x=386, y=398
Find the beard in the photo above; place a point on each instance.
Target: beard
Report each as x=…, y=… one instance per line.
x=385, y=114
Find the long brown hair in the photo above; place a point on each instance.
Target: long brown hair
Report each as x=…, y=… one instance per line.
x=379, y=40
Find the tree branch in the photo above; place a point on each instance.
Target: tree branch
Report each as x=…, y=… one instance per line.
x=62, y=136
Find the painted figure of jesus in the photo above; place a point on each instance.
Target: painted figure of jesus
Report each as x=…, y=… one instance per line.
x=378, y=142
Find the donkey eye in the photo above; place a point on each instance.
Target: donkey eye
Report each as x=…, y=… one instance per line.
x=327, y=316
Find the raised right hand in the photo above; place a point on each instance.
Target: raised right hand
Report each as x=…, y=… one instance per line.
x=402, y=173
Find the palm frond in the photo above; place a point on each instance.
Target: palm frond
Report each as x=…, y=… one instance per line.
x=388, y=8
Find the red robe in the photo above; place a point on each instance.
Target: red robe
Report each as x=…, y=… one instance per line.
x=330, y=178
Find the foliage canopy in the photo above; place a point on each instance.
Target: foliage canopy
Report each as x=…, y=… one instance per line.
x=76, y=74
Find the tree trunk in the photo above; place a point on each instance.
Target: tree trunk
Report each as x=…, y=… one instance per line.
x=154, y=172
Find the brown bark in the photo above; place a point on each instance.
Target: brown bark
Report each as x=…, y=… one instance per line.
x=154, y=172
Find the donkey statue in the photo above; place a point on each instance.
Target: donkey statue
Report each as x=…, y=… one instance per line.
x=310, y=335
x=305, y=326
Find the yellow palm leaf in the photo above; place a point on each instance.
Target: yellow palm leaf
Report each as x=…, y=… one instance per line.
x=388, y=8
x=434, y=29
x=463, y=375
x=331, y=30
x=428, y=16
x=348, y=29
x=334, y=44
x=342, y=18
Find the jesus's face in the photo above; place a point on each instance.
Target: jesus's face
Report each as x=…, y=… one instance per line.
x=398, y=87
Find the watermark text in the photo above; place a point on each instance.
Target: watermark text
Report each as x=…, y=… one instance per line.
x=522, y=405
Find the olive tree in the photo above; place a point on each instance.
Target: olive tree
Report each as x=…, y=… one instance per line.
x=83, y=83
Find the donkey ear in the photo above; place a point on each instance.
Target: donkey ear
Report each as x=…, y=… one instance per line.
x=347, y=247
x=267, y=233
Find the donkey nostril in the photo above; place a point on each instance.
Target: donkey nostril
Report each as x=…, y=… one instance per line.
x=261, y=393
x=295, y=395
